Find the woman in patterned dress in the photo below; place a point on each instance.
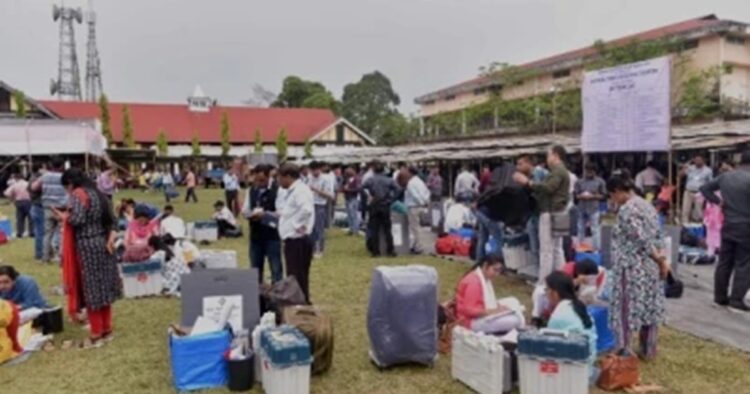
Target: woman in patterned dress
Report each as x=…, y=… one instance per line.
x=90, y=216
x=638, y=266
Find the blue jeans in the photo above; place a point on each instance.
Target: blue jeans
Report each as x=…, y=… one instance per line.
x=319, y=230
x=37, y=223
x=352, y=215
x=259, y=250
x=591, y=219
x=532, y=228
x=487, y=228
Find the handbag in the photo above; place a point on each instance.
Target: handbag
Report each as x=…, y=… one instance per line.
x=619, y=371
x=560, y=223
x=674, y=287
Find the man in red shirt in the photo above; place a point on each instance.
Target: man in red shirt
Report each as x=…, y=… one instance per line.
x=485, y=178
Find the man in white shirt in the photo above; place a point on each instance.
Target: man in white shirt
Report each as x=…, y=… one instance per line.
x=467, y=184
x=231, y=189
x=296, y=211
x=416, y=199
x=171, y=224
x=323, y=193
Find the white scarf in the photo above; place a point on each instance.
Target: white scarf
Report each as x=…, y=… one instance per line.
x=488, y=291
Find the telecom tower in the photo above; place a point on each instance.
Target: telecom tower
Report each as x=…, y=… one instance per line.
x=93, y=66
x=68, y=83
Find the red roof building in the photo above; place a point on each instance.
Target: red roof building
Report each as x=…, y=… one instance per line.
x=181, y=122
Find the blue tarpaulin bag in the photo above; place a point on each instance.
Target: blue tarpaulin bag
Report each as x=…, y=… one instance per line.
x=198, y=362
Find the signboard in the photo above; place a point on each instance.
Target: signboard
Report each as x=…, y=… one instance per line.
x=627, y=108
x=214, y=305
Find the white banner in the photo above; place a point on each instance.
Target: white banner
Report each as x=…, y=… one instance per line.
x=627, y=108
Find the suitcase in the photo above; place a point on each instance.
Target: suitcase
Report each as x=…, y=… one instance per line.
x=480, y=362
x=286, y=360
x=402, y=315
x=553, y=362
x=219, y=259
x=317, y=327
x=141, y=279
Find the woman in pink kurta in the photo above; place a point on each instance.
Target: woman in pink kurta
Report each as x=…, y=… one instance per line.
x=713, y=218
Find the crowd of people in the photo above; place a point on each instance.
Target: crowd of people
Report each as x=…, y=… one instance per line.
x=289, y=208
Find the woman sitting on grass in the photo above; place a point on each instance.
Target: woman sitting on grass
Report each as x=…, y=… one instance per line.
x=477, y=308
x=570, y=313
x=140, y=229
x=20, y=289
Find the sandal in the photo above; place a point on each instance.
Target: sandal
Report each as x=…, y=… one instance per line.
x=90, y=343
x=108, y=337
x=68, y=344
x=49, y=347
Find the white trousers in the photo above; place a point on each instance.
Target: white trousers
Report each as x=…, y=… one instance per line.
x=551, y=256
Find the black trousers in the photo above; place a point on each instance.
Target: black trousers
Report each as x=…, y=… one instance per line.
x=380, y=220
x=226, y=229
x=298, y=253
x=734, y=258
x=191, y=193
x=231, y=197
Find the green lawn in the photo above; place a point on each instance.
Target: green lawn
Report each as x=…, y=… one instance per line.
x=137, y=361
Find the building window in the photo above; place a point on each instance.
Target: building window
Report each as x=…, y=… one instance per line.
x=496, y=88
x=450, y=97
x=480, y=91
x=736, y=40
x=561, y=74
x=429, y=102
x=689, y=44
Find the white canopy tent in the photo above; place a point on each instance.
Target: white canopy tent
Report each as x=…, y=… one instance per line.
x=30, y=137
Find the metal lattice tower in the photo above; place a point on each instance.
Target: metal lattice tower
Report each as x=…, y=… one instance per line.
x=68, y=83
x=93, y=65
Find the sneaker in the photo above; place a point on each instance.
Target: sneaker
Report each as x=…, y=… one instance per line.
x=738, y=306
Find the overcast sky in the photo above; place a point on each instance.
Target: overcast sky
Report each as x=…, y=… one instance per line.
x=157, y=50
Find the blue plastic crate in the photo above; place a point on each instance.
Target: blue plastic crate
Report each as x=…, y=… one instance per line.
x=6, y=227
x=593, y=256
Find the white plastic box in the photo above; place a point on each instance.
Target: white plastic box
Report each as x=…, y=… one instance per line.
x=480, y=362
x=219, y=259
x=268, y=320
x=539, y=376
x=286, y=361
x=205, y=231
x=553, y=362
x=141, y=279
x=517, y=257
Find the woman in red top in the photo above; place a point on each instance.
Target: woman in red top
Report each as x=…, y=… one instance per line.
x=477, y=308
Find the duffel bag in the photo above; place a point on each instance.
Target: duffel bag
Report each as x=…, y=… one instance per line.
x=317, y=327
x=446, y=245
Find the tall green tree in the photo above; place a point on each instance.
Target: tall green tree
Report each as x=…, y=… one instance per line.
x=281, y=145
x=162, y=144
x=299, y=93
x=127, y=128
x=370, y=103
x=19, y=99
x=308, y=149
x=195, y=144
x=105, y=118
x=226, y=137
x=258, y=142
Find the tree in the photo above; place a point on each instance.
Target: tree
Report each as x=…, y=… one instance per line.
x=261, y=97
x=299, y=93
x=226, y=138
x=127, y=128
x=195, y=144
x=281, y=145
x=323, y=99
x=105, y=118
x=370, y=103
x=20, y=100
x=258, y=142
x=308, y=149
x=162, y=145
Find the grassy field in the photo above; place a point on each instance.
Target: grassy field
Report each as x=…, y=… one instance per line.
x=137, y=361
